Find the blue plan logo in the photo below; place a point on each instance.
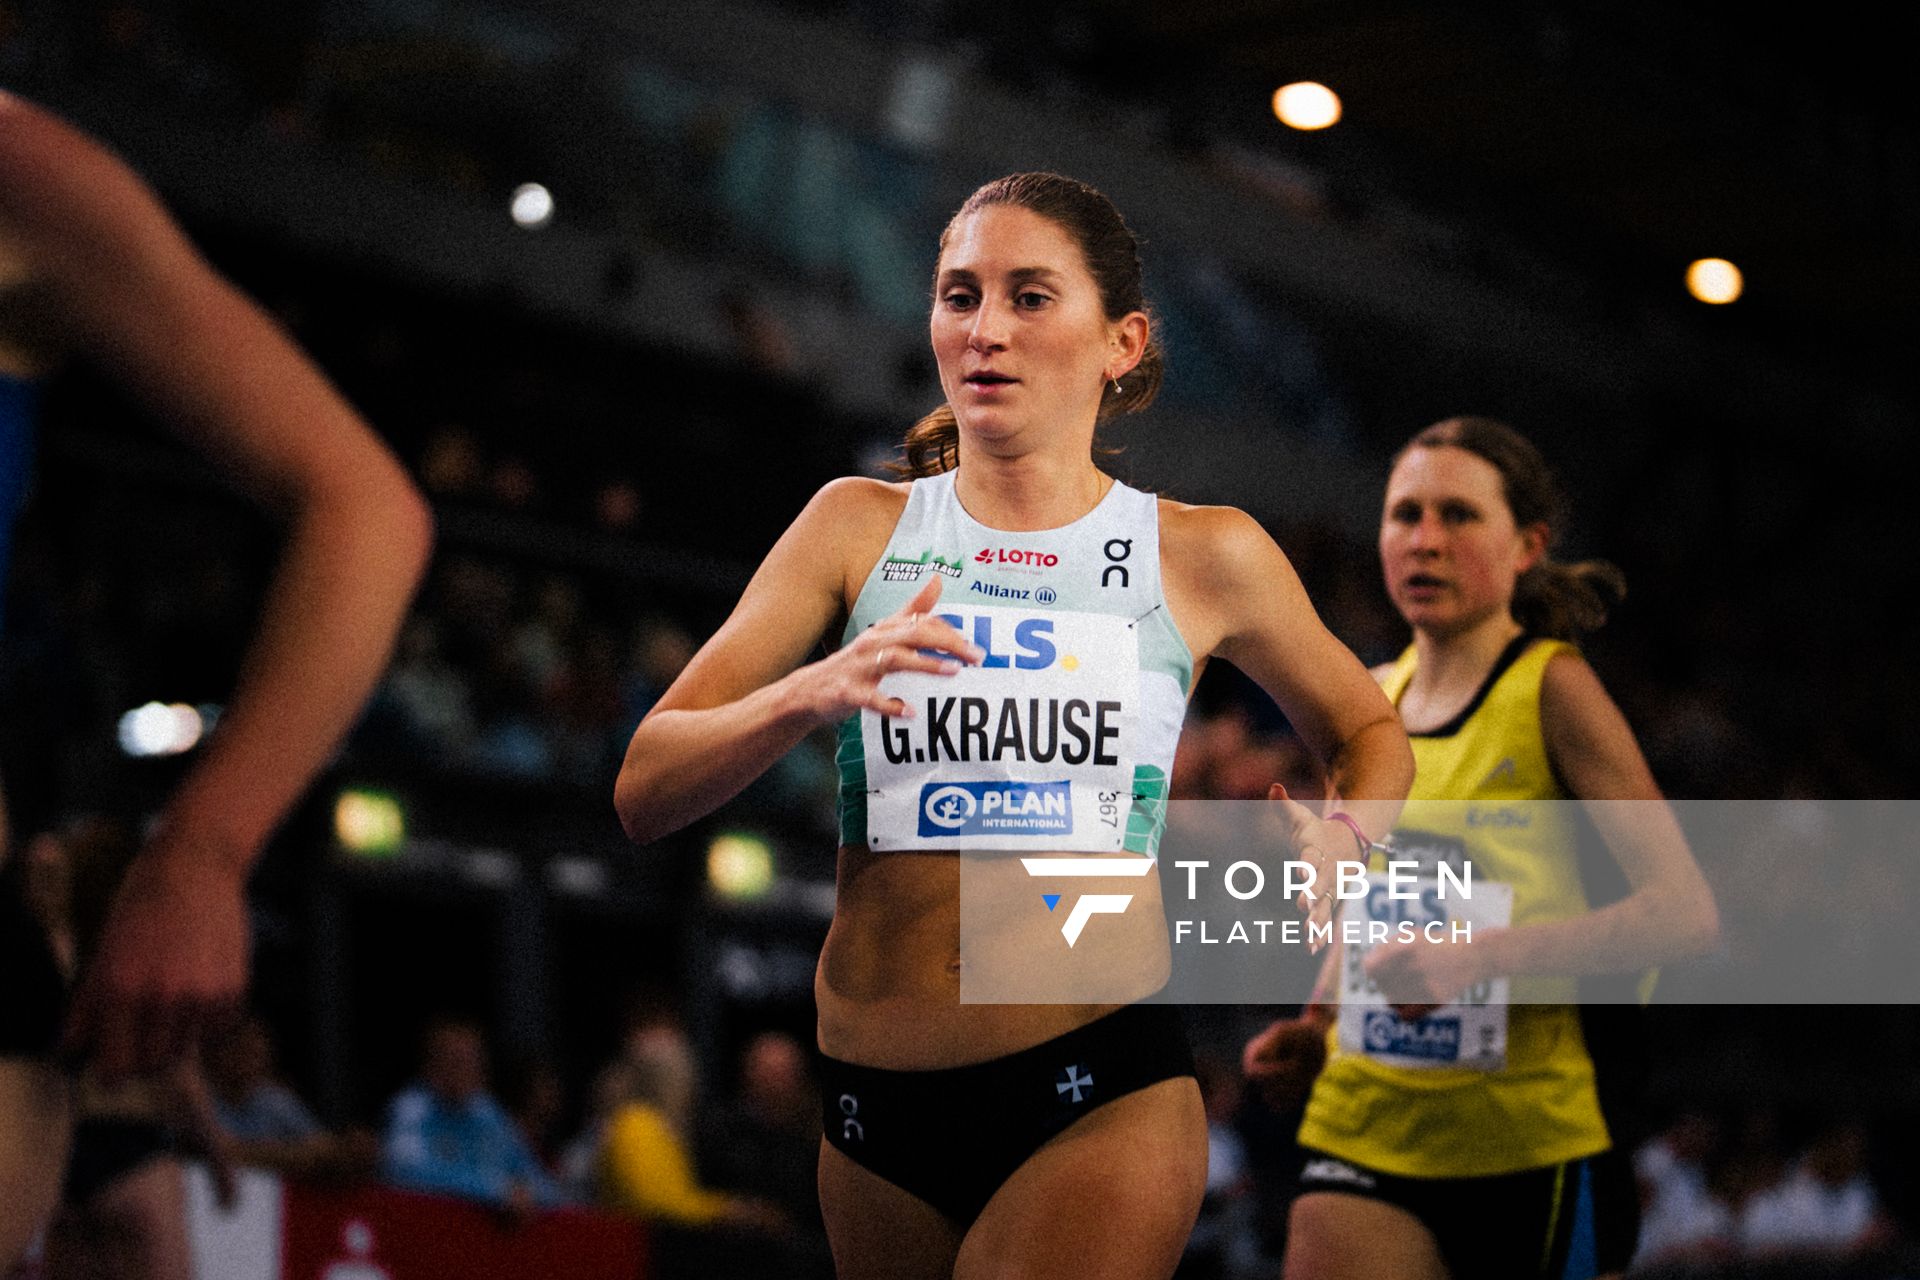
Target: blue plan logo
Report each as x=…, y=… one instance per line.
x=1435, y=1039
x=996, y=808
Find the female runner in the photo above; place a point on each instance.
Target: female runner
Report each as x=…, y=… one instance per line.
x=1433, y=1171
x=1042, y=1140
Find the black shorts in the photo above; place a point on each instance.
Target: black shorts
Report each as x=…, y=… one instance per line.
x=33, y=995
x=1565, y=1221
x=953, y=1135
x=106, y=1150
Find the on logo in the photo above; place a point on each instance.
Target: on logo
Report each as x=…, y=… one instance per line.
x=1088, y=905
x=950, y=807
x=1114, y=559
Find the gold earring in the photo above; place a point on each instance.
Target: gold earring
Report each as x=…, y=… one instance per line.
x=1116, y=386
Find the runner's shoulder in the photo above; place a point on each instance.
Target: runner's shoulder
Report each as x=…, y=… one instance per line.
x=1223, y=546
x=855, y=503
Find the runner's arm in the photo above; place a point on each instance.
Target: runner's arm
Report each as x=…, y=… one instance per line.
x=1267, y=627
x=1669, y=912
x=745, y=700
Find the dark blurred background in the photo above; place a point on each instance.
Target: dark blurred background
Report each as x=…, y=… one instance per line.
x=616, y=407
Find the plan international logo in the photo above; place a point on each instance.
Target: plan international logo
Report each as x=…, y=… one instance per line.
x=996, y=808
x=1435, y=1038
x=1087, y=905
x=901, y=569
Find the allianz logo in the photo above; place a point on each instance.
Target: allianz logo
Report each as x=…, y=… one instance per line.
x=1039, y=595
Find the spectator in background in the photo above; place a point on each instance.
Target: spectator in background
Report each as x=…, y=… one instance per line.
x=446, y=1133
x=660, y=652
x=645, y=1167
x=512, y=740
x=543, y=641
x=531, y=1092
x=616, y=507
x=579, y=1164
x=1682, y=1218
x=1824, y=1205
x=586, y=709
x=265, y=1122
x=765, y=1141
x=451, y=465
x=424, y=707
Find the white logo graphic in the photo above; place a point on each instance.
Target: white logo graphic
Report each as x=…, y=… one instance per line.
x=1334, y=1171
x=851, y=1129
x=1075, y=1081
x=949, y=807
x=1089, y=905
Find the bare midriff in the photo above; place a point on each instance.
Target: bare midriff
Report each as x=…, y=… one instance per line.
x=888, y=986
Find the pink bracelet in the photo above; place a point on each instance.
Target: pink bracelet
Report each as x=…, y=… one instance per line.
x=1348, y=821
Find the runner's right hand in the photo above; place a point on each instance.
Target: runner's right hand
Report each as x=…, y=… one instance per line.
x=848, y=680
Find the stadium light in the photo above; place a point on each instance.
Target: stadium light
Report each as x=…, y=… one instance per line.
x=1715, y=281
x=740, y=866
x=369, y=823
x=161, y=729
x=1306, y=105
x=532, y=206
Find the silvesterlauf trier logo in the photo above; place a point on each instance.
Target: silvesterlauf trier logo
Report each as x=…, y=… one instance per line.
x=1087, y=905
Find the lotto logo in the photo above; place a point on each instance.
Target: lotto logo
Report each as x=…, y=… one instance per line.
x=1006, y=555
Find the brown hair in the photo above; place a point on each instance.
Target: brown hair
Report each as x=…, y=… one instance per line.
x=1113, y=258
x=1552, y=599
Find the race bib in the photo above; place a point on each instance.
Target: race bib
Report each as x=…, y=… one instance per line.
x=1469, y=1033
x=1032, y=749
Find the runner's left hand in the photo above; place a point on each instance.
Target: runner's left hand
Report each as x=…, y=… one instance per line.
x=1320, y=844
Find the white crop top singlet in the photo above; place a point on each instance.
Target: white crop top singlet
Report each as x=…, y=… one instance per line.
x=1062, y=739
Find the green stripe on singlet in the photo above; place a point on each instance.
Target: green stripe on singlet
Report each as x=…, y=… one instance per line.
x=1148, y=816
x=851, y=758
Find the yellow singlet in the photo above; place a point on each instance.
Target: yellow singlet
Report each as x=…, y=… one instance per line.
x=1541, y=1107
